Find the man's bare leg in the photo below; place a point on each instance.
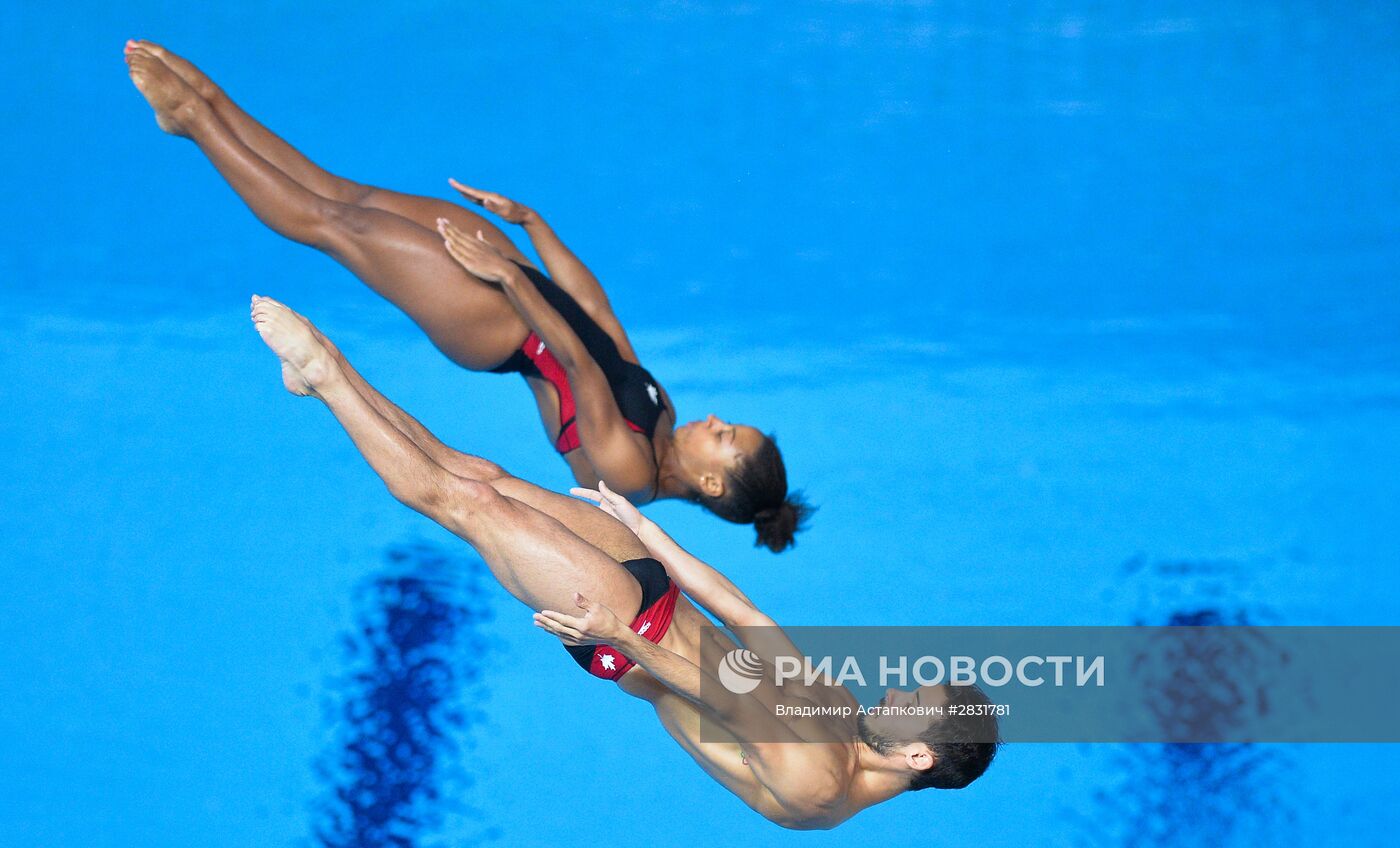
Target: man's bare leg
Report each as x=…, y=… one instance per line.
x=423, y=211
x=537, y=559
x=587, y=521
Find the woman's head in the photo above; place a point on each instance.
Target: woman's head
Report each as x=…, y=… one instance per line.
x=737, y=473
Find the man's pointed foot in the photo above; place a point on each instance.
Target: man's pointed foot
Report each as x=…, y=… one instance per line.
x=306, y=364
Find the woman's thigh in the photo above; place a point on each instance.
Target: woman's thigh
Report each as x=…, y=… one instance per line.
x=424, y=211
x=468, y=319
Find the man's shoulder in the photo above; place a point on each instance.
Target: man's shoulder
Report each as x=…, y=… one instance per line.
x=823, y=800
x=816, y=776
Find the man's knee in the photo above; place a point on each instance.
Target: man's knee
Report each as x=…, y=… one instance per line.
x=468, y=496
x=442, y=495
x=474, y=467
x=525, y=491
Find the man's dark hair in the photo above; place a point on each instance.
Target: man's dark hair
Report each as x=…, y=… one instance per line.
x=756, y=492
x=962, y=745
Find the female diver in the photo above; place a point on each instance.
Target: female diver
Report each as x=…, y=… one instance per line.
x=487, y=308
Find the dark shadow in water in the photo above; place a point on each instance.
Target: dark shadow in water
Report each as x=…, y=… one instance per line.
x=405, y=707
x=1217, y=794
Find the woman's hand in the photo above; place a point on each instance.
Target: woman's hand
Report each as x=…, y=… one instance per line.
x=597, y=626
x=477, y=255
x=507, y=209
x=613, y=504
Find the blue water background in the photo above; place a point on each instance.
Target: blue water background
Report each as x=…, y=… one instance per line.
x=1065, y=313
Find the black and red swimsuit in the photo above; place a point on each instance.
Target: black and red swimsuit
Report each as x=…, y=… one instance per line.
x=634, y=389
x=653, y=619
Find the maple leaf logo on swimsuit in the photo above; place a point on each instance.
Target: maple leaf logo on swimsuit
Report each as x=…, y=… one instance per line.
x=607, y=661
x=645, y=627
x=653, y=393
x=539, y=350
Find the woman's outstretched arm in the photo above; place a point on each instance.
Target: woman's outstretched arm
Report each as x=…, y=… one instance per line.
x=564, y=267
x=616, y=453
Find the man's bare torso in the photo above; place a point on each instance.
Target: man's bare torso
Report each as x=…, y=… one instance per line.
x=722, y=755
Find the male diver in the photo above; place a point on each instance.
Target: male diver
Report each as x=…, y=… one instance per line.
x=556, y=553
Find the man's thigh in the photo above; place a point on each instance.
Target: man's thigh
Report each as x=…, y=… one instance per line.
x=542, y=562
x=585, y=520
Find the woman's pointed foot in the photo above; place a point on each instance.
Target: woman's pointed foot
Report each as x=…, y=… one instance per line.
x=183, y=68
x=174, y=102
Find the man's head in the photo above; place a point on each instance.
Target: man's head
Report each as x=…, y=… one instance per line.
x=947, y=750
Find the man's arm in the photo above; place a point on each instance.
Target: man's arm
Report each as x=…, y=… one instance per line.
x=789, y=766
x=798, y=773
x=706, y=586
x=600, y=625
x=701, y=582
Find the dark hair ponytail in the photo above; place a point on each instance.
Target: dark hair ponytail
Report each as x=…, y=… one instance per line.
x=756, y=493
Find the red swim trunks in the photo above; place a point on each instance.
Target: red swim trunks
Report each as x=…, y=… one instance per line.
x=658, y=605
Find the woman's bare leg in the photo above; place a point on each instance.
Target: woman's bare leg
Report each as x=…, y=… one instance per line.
x=423, y=211
x=536, y=559
x=468, y=319
x=585, y=520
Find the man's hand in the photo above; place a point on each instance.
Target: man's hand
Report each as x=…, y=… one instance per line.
x=477, y=255
x=507, y=209
x=597, y=626
x=613, y=504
